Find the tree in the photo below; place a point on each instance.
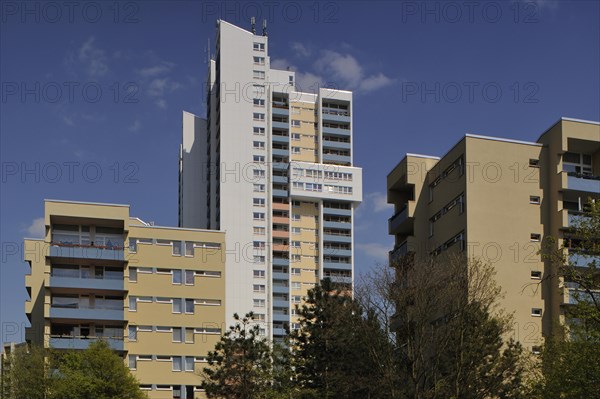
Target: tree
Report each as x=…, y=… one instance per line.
x=241, y=364
x=97, y=372
x=331, y=356
x=571, y=356
x=450, y=334
x=26, y=375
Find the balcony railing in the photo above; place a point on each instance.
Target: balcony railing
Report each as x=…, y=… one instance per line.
x=583, y=260
x=60, y=342
x=397, y=220
x=581, y=182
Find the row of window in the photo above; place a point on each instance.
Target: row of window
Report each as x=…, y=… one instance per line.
x=177, y=246
x=459, y=163
x=179, y=276
x=459, y=200
x=178, y=363
x=179, y=334
x=457, y=239
x=180, y=305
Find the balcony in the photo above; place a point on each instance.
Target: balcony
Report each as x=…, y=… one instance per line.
x=281, y=220
x=402, y=221
x=280, y=193
x=337, y=131
x=281, y=165
x=280, y=111
x=83, y=343
x=280, y=289
x=87, y=252
x=337, y=211
x=336, y=144
x=87, y=283
x=280, y=303
x=333, y=115
x=280, y=180
x=280, y=139
x=337, y=252
x=345, y=159
x=281, y=317
x=280, y=125
x=579, y=182
x=581, y=260
x=336, y=238
x=337, y=225
x=279, y=331
x=281, y=207
x=339, y=279
x=337, y=265
x=87, y=314
x=281, y=152
x=281, y=262
x=281, y=234
x=280, y=275
x=399, y=252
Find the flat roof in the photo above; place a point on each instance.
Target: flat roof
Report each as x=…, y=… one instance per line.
x=564, y=118
x=477, y=136
x=85, y=203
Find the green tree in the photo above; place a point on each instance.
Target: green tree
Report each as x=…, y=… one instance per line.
x=97, y=372
x=241, y=365
x=26, y=374
x=570, y=365
x=331, y=355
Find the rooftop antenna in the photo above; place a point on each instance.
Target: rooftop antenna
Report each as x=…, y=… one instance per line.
x=264, y=27
x=253, y=22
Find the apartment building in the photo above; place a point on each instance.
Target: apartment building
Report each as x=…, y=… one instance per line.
x=272, y=166
x=496, y=199
x=155, y=294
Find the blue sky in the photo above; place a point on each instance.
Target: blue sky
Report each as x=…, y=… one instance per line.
x=92, y=95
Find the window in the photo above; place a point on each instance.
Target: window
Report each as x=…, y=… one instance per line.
x=259, y=244
x=577, y=163
x=259, y=188
x=536, y=350
x=535, y=237
x=258, y=116
x=258, y=46
x=534, y=200
x=176, y=305
x=258, y=158
x=259, y=303
x=295, y=136
x=259, y=145
x=189, y=277
x=295, y=203
x=296, y=271
x=133, y=362
x=259, y=259
x=259, y=102
x=534, y=163
x=295, y=217
x=259, y=60
x=430, y=228
x=177, y=248
x=144, y=328
x=164, y=329
x=536, y=274
x=189, y=306
x=133, y=274
x=258, y=131
x=189, y=363
x=258, y=75
x=296, y=150
x=295, y=244
x=259, y=231
x=132, y=333
x=189, y=335
x=536, y=312
x=296, y=299
x=176, y=276
x=296, y=285
x=163, y=300
x=258, y=316
x=258, y=274
x=295, y=123
x=132, y=304
x=189, y=248
x=176, y=334
x=260, y=288
x=258, y=216
x=177, y=363
x=259, y=173
x=296, y=230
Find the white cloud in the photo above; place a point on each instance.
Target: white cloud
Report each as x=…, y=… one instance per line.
x=334, y=69
x=37, y=229
x=161, y=103
x=68, y=121
x=300, y=49
x=93, y=58
x=375, y=250
x=378, y=201
x=156, y=70
x=135, y=126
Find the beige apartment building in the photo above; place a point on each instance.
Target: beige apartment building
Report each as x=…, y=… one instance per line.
x=156, y=294
x=496, y=199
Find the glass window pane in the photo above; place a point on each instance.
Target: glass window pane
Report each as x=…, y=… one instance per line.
x=176, y=276
x=189, y=363
x=132, y=303
x=189, y=335
x=176, y=305
x=189, y=248
x=176, y=363
x=189, y=277
x=133, y=274
x=132, y=333
x=177, y=248
x=189, y=306
x=176, y=334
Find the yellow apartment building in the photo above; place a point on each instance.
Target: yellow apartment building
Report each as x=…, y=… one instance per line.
x=156, y=294
x=496, y=199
